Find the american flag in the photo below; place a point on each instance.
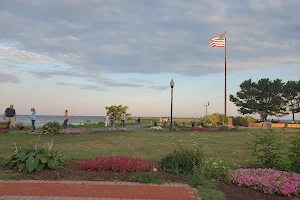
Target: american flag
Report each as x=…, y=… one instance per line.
x=218, y=41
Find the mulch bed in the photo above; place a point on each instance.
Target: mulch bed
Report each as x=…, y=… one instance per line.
x=71, y=172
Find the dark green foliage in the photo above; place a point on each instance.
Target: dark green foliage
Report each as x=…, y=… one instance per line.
x=294, y=153
x=240, y=121
x=266, y=148
x=51, y=128
x=33, y=158
x=264, y=97
x=291, y=95
x=196, y=178
x=182, y=160
x=146, y=177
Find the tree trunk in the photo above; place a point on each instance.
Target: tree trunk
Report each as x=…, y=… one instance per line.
x=263, y=117
x=293, y=117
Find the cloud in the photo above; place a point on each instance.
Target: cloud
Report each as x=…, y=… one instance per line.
x=13, y=54
x=142, y=81
x=92, y=87
x=83, y=87
x=7, y=66
x=51, y=73
x=9, y=78
x=169, y=36
x=159, y=87
x=119, y=84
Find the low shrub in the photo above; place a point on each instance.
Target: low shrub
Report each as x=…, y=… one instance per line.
x=146, y=177
x=155, y=128
x=196, y=178
x=266, y=148
x=267, y=180
x=34, y=158
x=73, y=131
x=50, y=128
x=205, y=125
x=224, y=128
x=182, y=160
x=294, y=153
x=216, y=168
x=118, y=163
x=173, y=128
x=123, y=130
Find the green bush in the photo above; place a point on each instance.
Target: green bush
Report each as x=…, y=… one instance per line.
x=179, y=125
x=225, y=128
x=51, y=128
x=196, y=178
x=209, y=119
x=294, y=153
x=146, y=177
x=182, y=160
x=34, y=158
x=266, y=148
x=216, y=168
x=249, y=119
x=205, y=125
x=240, y=121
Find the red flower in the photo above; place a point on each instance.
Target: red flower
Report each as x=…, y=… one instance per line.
x=117, y=163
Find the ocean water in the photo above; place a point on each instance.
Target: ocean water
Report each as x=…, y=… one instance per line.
x=42, y=119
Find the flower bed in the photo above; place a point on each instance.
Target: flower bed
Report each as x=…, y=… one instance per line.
x=155, y=128
x=118, y=163
x=267, y=180
x=73, y=131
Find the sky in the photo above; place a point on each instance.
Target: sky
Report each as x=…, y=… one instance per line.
x=83, y=55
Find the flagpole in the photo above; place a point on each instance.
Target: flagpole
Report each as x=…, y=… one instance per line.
x=225, y=85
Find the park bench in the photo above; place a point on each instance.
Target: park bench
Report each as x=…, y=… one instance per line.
x=4, y=126
x=297, y=126
x=278, y=126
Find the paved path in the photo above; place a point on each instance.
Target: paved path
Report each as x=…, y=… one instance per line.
x=93, y=190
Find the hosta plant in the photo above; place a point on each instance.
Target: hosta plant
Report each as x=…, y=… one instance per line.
x=155, y=128
x=118, y=163
x=51, y=128
x=34, y=158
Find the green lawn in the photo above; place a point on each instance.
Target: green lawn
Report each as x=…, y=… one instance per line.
x=145, y=144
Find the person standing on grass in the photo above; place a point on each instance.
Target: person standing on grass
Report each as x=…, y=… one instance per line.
x=10, y=116
x=106, y=120
x=66, y=118
x=123, y=118
x=33, y=118
x=112, y=120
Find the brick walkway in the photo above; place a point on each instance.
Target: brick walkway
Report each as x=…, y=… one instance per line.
x=90, y=190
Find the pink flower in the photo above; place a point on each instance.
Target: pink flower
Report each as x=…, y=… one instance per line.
x=267, y=180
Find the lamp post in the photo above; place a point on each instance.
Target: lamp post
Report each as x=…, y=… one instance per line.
x=172, y=83
x=206, y=107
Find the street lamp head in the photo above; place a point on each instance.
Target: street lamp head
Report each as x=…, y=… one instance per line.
x=172, y=83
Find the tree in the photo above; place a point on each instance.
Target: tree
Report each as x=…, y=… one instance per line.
x=291, y=95
x=264, y=98
x=117, y=110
